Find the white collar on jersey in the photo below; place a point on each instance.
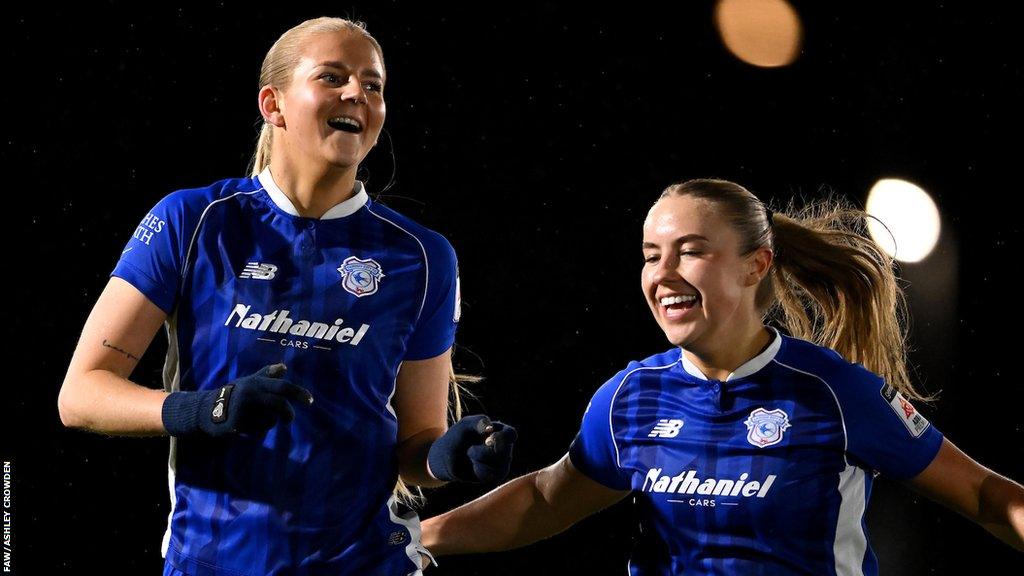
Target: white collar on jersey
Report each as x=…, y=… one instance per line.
x=346, y=208
x=748, y=367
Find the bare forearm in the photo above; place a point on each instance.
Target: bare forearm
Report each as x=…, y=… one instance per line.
x=412, y=458
x=512, y=515
x=1001, y=509
x=103, y=402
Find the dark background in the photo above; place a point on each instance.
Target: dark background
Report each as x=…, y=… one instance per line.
x=534, y=138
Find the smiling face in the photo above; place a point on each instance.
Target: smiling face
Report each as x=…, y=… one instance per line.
x=333, y=109
x=697, y=285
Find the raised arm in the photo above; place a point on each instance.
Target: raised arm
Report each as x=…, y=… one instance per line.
x=96, y=394
x=520, y=512
x=995, y=502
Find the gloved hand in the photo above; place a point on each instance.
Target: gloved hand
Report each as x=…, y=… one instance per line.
x=473, y=450
x=251, y=404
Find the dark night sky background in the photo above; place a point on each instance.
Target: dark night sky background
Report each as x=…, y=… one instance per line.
x=534, y=138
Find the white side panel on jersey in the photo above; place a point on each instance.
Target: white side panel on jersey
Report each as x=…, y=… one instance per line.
x=391, y=409
x=172, y=383
x=412, y=523
x=851, y=542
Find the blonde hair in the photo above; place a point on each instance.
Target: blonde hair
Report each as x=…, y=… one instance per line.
x=277, y=69
x=830, y=283
x=280, y=62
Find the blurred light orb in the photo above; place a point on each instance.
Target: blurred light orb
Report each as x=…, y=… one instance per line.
x=911, y=216
x=765, y=33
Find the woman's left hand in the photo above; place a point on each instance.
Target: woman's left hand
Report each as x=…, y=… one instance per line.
x=475, y=449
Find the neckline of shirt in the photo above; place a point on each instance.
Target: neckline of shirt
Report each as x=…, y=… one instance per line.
x=340, y=210
x=747, y=368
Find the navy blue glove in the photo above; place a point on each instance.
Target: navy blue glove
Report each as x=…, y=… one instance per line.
x=473, y=450
x=251, y=404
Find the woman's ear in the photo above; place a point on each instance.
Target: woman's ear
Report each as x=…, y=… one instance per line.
x=270, y=106
x=760, y=265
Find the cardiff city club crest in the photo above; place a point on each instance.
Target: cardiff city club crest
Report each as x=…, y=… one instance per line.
x=360, y=277
x=765, y=427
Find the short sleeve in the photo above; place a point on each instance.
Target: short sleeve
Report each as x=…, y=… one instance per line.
x=434, y=331
x=593, y=451
x=151, y=260
x=885, y=432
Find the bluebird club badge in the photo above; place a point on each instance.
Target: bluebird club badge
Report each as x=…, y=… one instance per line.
x=765, y=427
x=360, y=277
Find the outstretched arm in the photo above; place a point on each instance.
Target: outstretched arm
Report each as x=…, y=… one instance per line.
x=993, y=501
x=520, y=512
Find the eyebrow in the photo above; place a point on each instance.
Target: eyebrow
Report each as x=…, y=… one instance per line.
x=341, y=65
x=680, y=240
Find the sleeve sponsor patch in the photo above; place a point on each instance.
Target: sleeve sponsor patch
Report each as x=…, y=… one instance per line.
x=911, y=418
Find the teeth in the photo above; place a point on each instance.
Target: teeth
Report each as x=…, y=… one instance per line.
x=670, y=300
x=347, y=120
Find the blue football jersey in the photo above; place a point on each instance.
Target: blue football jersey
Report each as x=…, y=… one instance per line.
x=767, y=472
x=342, y=300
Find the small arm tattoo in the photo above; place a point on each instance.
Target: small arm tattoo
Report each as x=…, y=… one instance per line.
x=119, y=350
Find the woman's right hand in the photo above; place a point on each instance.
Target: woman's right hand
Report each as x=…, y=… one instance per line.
x=248, y=405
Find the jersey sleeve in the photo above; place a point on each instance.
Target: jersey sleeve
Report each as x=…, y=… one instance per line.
x=884, y=431
x=152, y=259
x=434, y=331
x=593, y=451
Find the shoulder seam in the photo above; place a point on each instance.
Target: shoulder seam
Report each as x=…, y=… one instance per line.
x=839, y=406
x=199, y=224
x=611, y=403
x=426, y=261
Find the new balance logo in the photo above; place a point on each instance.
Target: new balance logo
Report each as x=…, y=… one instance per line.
x=259, y=271
x=666, y=428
